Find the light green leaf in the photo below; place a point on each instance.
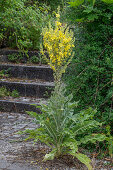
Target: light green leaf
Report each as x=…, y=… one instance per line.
x=84, y=159
x=92, y=138
x=75, y=3
x=88, y=9
x=92, y=1
x=33, y=114
x=79, y=20
x=85, y=126
x=92, y=17
x=108, y=1
x=72, y=144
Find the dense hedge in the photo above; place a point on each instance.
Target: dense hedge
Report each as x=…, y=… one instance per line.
x=90, y=75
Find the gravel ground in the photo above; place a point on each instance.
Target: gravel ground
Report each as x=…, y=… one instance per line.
x=16, y=154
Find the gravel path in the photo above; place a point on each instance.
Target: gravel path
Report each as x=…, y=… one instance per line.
x=11, y=144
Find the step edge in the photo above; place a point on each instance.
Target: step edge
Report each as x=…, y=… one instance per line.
x=30, y=66
x=9, y=101
x=34, y=83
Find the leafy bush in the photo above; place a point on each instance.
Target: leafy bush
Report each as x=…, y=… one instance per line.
x=89, y=77
x=20, y=25
x=54, y=3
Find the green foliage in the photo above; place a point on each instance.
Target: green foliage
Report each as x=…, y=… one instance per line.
x=4, y=92
x=14, y=58
x=4, y=73
x=14, y=93
x=90, y=10
x=34, y=59
x=21, y=24
x=59, y=126
x=37, y=60
x=54, y=3
x=109, y=140
x=89, y=77
x=23, y=57
x=77, y=3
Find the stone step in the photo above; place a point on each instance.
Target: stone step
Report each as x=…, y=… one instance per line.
x=30, y=72
x=20, y=104
x=29, y=88
x=6, y=51
x=16, y=107
x=33, y=82
x=20, y=56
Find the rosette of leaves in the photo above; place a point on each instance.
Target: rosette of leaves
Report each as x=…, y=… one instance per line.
x=59, y=127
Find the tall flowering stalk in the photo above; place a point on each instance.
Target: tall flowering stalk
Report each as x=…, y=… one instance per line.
x=59, y=126
x=59, y=43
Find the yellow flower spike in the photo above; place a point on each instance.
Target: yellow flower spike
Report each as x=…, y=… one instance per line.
x=59, y=43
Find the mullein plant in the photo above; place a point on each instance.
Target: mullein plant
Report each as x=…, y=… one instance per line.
x=59, y=126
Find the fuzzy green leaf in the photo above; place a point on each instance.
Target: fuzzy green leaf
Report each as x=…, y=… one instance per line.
x=72, y=144
x=51, y=155
x=84, y=159
x=92, y=138
x=33, y=114
x=81, y=128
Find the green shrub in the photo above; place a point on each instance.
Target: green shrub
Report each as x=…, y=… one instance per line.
x=89, y=77
x=20, y=25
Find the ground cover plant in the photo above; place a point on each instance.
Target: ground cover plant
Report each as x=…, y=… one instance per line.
x=4, y=93
x=4, y=73
x=59, y=126
x=25, y=58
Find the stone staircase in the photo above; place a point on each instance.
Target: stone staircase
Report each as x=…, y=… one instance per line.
x=34, y=84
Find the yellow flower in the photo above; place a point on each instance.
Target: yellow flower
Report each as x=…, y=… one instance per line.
x=58, y=42
x=57, y=15
x=58, y=23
